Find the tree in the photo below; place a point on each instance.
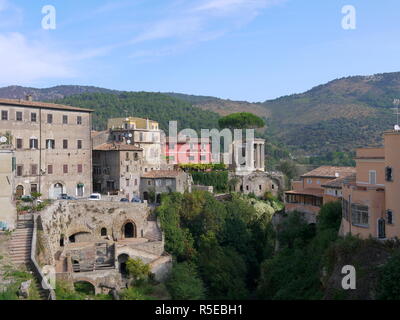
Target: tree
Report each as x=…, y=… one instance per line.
x=184, y=283
x=241, y=120
x=389, y=281
x=137, y=269
x=289, y=168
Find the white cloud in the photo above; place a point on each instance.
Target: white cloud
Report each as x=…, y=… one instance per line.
x=24, y=62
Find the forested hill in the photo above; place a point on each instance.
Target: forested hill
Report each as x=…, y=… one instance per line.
x=338, y=116
x=155, y=106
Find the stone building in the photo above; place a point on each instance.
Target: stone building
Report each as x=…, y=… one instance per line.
x=117, y=168
x=142, y=133
x=8, y=211
x=164, y=181
x=259, y=183
x=52, y=145
x=247, y=157
x=86, y=241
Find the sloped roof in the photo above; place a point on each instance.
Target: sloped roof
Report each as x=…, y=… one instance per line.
x=38, y=104
x=162, y=174
x=116, y=147
x=309, y=192
x=330, y=172
x=337, y=183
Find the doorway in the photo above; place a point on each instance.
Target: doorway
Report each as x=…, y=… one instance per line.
x=381, y=229
x=129, y=230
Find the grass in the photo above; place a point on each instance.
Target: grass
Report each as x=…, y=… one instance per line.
x=17, y=277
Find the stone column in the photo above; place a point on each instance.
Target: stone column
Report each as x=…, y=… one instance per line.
x=263, y=157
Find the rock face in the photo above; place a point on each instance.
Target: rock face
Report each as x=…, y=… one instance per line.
x=24, y=289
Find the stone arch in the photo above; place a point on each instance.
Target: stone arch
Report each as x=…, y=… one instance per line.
x=77, y=235
x=129, y=229
x=122, y=259
x=103, y=232
x=86, y=280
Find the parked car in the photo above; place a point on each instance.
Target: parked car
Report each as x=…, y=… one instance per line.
x=124, y=200
x=95, y=196
x=136, y=199
x=64, y=196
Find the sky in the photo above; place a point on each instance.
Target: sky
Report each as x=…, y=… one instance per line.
x=250, y=50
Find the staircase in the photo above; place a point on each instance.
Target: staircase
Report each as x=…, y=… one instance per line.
x=20, y=243
x=20, y=250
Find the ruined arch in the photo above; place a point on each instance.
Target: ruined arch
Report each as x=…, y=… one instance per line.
x=85, y=285
x=122, y=259
x=129, y=229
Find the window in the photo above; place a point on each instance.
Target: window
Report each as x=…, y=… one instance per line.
x=65, y=119
x=127, y=156
x=19, y=143
x=127, y=182
x=33, y=143
x=372, y=177
x=49, y=118
x=141, y=138
x=33, y=117
x=18, y=116
x=389, y=216
x=50, y=144
x=127, y=168
x=103, y=232
x=135, y=182
x=79, y=120
x=136, y=156
x=20, y=169
x=191, y=158
x=318, y=181
x=79, y=144
x=50, y=169
x=345, y=209
x=389, y=174
x=172, y=146
x=309, y=181
x=80, y=168
x=65, y=168
x=65, y=144
x=359, y=214
x=149, y=182
x=4, y=115
x=34, y=188
x=168, y=182
x=34, y=169
x=158, y=182
x=203, y=158
x=260, y=187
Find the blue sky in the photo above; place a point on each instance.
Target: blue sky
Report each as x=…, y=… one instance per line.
x=238, y=49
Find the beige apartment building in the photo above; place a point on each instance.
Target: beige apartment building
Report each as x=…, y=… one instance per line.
x=371, y=202
x=52, y=146
x=8, y=210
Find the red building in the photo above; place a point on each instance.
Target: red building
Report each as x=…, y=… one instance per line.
x=185, y=150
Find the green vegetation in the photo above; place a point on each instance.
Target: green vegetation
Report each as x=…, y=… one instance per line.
x=156, y=106
x=137, y=270
x=241, y=120
x=17, y=277
x=217, y=179
x=345, y=159
x=293, y=272
x=202, y=166
x=184, y=282
x=219, y=246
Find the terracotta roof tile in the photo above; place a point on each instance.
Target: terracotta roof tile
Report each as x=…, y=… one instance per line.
x=38, y=104
x=337, y=183
x=330, y=172
x=162, y=174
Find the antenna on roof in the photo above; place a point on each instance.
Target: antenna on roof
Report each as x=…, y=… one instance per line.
x=396, y=103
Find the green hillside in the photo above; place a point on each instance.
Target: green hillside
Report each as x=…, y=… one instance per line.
x=156, y=106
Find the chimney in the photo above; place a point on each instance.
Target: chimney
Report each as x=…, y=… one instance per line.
x=29, y=97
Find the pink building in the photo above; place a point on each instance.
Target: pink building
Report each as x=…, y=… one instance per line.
x=185, y=150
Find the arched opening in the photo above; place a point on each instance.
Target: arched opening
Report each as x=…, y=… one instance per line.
x=122, y=259
x=80, y=237
x=58, y=190
x=62, y=241
x=158, y=198
x=19, y=192
x=103, y=232
x=146, y=196
x=84, y=287
x=129, y=230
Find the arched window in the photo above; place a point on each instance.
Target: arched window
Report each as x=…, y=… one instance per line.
x=129, y=230
x=103, y=232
